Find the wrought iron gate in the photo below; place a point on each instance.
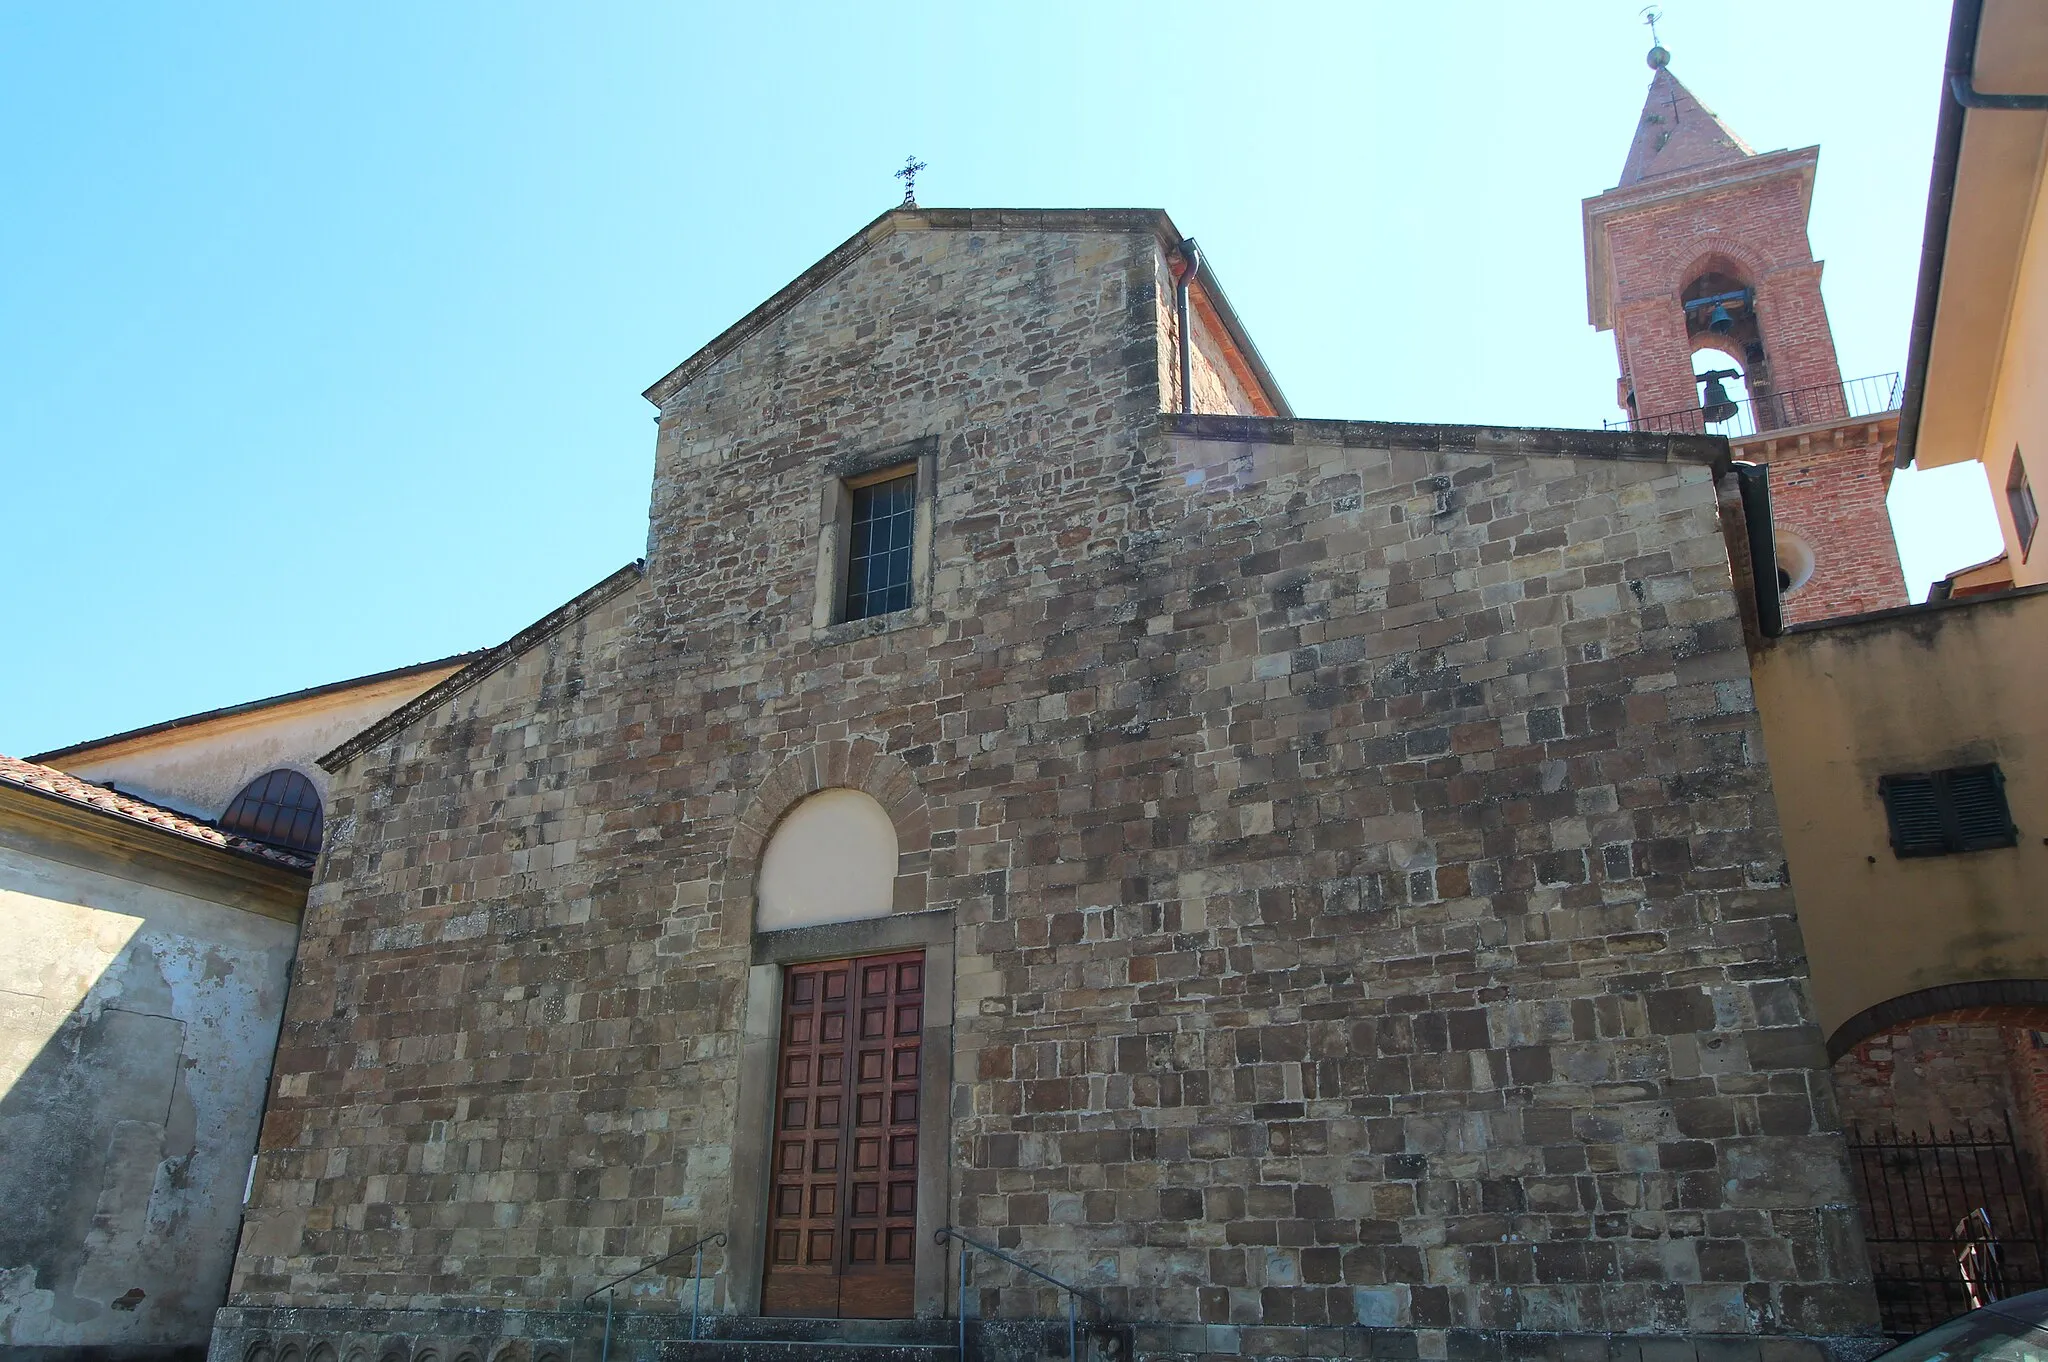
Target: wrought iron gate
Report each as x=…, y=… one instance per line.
x=1952, y=1221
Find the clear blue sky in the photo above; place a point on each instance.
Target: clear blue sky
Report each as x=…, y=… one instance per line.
x=323, y=327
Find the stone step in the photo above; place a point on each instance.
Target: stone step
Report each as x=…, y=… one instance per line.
x=796, y=1350
x=792, y=1339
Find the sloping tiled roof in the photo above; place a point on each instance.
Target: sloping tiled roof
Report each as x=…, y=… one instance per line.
x=1677, y=132
x=47, y=780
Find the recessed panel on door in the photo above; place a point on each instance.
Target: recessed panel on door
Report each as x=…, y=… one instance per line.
x=842, y=1206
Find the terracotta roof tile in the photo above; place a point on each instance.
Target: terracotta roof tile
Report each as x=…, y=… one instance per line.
x=26, y=775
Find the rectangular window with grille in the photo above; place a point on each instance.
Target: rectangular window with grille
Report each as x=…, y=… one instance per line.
x=878, y=551
x=2019, y=497
x=1936, y=813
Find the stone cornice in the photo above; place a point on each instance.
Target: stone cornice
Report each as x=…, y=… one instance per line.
x=1479, y=441
x=1879, y=431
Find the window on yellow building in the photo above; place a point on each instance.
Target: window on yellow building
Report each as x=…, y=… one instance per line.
x=2019, y=495
x=1935, y=813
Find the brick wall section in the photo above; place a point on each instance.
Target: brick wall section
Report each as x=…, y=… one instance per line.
x=1365, y=873
x=1948, y=1073
x=1936, y=1077
x=1223, y=379
x=1835, y=501
x=2026, y=1052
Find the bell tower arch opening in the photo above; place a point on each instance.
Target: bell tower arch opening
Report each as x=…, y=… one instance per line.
x=1721, y=326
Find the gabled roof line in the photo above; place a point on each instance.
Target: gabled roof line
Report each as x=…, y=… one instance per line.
x=895, y=220
x=251, y=706
x=487, y=661
x=779, y=302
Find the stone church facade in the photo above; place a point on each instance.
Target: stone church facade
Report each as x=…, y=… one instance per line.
x=1338, y=858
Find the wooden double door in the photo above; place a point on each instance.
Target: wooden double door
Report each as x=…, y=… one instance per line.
x=842, y=1201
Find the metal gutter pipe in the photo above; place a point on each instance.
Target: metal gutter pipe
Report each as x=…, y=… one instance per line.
x=1941, y=191
x=1191, y=265
x=1970, y=97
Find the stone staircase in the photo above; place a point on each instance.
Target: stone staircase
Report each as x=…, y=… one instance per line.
x=732, y=1338
x=740, y=1339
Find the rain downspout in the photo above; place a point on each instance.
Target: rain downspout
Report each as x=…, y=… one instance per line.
x=1753, y=480
x=1191, y=265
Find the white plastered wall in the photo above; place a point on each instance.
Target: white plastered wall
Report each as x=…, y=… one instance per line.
x=831, y=859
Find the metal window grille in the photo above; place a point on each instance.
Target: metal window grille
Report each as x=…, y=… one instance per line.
x=1935, y=813
x=878, y=553
x=1951, y=1221
x=279, y=807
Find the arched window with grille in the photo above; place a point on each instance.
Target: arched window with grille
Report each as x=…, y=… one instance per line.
x=278, y=807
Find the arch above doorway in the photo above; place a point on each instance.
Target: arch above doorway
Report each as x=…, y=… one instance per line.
x=2004, y=1002
x=840, y=763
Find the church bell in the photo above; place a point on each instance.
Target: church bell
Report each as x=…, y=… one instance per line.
x=1716, y=406
x=1720, y=320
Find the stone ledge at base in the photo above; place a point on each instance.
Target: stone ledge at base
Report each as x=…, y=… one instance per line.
x=370, y=1334
x=103, y=1352
x=365, y=1334
x=1298, y=1343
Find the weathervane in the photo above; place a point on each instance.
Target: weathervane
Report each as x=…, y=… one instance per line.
x=911, y=165
x=1658, y=58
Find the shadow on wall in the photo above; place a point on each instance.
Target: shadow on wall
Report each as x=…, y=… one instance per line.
x=131, y=1079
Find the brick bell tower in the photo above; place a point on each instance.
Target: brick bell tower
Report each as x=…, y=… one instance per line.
x=1702, y=247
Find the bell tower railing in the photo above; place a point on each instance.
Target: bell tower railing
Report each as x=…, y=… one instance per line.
x=1846, y=401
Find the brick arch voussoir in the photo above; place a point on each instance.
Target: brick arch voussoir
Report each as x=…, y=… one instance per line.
x=1705, y=252
x=832, y=764
x=1998, y=1002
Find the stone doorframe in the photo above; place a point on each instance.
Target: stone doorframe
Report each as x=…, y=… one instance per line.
x=856, y=764
x=753, y=1127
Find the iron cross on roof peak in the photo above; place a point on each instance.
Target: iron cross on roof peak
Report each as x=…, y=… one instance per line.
x=911, y=165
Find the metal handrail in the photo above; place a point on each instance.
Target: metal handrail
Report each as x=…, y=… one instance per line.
x=696, y=1277
x=1073, y=1292
x=1760, y=413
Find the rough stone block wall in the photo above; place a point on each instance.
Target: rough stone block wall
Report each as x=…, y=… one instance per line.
x=478, y=1062
x=1367, y=894
x=1454, y=943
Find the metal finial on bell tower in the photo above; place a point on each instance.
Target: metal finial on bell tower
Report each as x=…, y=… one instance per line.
x=1658, y=58
x=911, y=165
